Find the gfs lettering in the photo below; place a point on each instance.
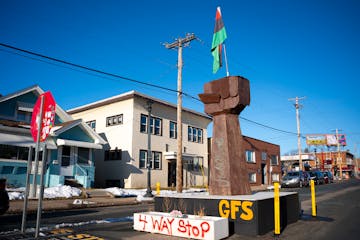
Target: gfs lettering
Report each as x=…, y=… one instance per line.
x=236, y=209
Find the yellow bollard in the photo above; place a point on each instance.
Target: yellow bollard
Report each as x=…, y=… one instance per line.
x=276, y=209
x=313, y=200
x=157, y=188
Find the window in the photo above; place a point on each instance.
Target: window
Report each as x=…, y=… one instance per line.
x=275, y=177
x=250, y=156
x=92, y=124
x=112, y=155
x=83, y=155
x=23, y=116
x=190, y=133
x=155, y=160
x=65, y=159
x=143, y=123
x=7, y=170
x=114, y=120
x=195, y=134
x=155, y=125
x=200, y=138
x=173, y=129
x=252, y=177
x=21, y=170
x=195, y=164
x=263, y=156
x=24, y=111
x=142, y=159
x=14, y=152
x=274, y=160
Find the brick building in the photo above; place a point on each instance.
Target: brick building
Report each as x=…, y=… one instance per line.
x=332, y=160
x=263, y=161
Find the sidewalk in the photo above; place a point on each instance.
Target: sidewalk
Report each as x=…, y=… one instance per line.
x=97, y=198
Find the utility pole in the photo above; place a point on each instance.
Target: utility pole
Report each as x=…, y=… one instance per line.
x=149, y=154
x=339, y=158
x=297, y=106
x=179, y=43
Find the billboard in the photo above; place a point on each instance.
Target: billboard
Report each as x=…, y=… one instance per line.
x=331, y=139
x=317, y=139
x=326, y=139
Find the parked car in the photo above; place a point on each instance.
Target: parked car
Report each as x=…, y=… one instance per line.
x=295, y=179
x=328, y=177
x=4, y=197
x=317, y=176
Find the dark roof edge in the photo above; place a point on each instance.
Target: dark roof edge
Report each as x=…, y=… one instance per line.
x=129, y=95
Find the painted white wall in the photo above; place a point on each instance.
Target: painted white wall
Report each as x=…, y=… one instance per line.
x=130, y=140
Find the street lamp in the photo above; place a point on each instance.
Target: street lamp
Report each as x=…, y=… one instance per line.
x=148, y=190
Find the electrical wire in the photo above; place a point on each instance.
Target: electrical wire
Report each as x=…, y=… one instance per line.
x=88, y=69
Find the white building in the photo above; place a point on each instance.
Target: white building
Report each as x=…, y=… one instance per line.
x=122, y=121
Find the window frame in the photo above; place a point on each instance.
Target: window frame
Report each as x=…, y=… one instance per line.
x=195, y=134
x=114, y=120
x=155, y=125
x=252, y=177
x=173, y=130
x=275, y=177
x=113, y=155
x=65, y=158
x=92, y=124
x=263, y=156
x=156, y=160
x=272, y=158
x=251, y=154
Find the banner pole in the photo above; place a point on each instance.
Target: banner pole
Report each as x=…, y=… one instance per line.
x=27, y=187
x=226, y=62
x=41, y=193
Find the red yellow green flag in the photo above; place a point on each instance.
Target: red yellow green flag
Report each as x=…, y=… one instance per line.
x=218, y=38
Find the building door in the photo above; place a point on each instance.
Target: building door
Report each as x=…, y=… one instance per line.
x=172, y=173
x=67, y=161
x=264, y=174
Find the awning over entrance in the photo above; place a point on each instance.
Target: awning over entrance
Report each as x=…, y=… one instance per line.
x=74, y=143
x=185, y=156
x=304, y=157
x=22, y=141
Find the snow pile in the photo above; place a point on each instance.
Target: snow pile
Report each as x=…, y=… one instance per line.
x=139, y=193
x=16, y=195
x=118, y=192
x=52, y=192
x=61, y=191
x=69, y=192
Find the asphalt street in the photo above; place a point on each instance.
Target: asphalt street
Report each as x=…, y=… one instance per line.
x=338, y=211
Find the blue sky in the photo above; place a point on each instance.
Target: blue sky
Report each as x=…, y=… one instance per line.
x=285, y=48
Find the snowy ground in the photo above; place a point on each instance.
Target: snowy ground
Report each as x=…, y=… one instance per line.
x=71, y=192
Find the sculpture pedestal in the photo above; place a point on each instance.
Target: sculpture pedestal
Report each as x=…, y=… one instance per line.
x=247, y=214
x=228, y=174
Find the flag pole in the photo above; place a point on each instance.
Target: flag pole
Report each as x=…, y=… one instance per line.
x=226, y=62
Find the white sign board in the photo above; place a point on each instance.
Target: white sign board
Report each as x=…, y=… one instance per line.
x=189, y=226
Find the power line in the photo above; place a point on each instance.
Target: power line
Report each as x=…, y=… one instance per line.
x=272, y=128
x=74, y=67
x=86, y=68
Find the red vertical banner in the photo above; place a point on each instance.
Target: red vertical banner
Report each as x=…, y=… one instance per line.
x=47, y=118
